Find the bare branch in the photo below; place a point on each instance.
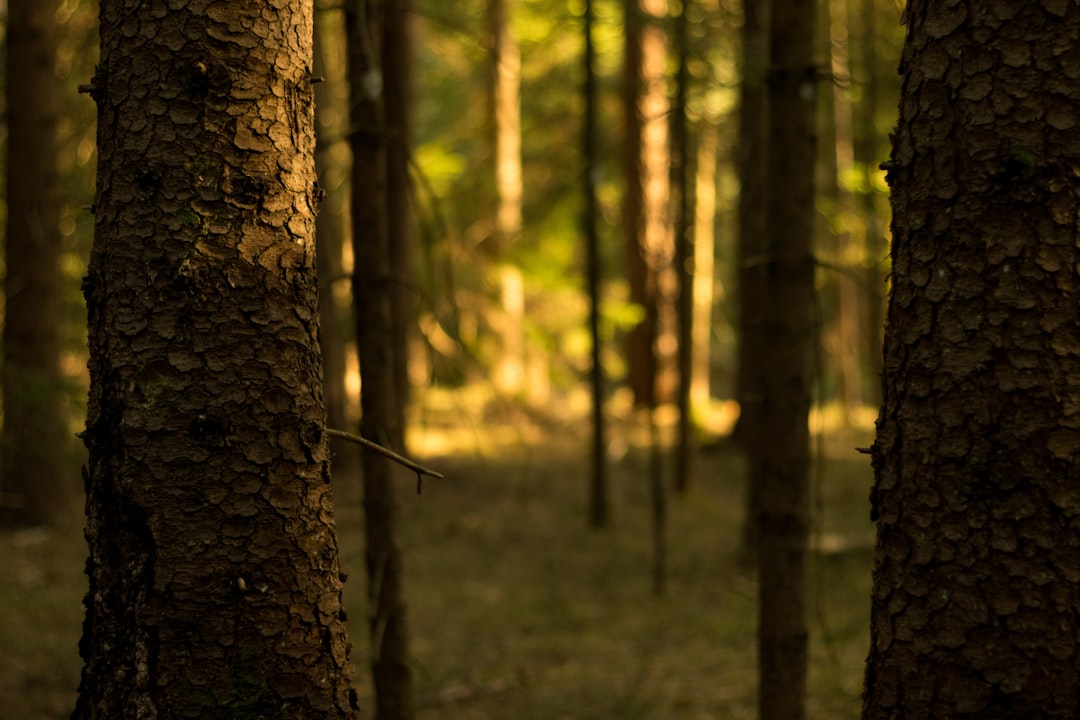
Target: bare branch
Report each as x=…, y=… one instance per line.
x=417, y=468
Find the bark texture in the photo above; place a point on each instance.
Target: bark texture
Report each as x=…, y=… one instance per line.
x=780, y=463
x=215, y=588
x=34, y=482
x=977, y=571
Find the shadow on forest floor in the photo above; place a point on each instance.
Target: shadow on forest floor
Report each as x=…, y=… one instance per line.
x=517, y=609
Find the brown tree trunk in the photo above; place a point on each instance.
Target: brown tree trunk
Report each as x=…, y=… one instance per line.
x=645, y=204
x=373, y=288
x=36, y=479
x=331, y=226
x=869, y=45
x=215, y=586
x=975, y=580
x=750, y=248
x=682, y=208
x=780, y=466
x=397, y=63
x=599, y=505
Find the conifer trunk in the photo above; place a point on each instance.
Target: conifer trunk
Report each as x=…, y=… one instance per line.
x=35, y=482
x=372, y=290
x=215, y=586
x=780, y=460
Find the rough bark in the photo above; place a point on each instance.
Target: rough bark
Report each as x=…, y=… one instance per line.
x=214, y=580
x=372, y=290
x=36, y=479
x=780, y=466
x=976, y=570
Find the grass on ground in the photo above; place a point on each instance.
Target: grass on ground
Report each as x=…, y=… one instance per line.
x=517, y=609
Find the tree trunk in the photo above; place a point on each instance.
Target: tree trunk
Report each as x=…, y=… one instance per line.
x=397, y=62
x=751, y=158
x=645, y=204
x=36, y=479
x=780, y=467
x=682, y=208
x=331, y=226
x=599, y=506
x=214, y=579
x=976, y=573
x=704, y=261
x=509, y=370
x=373, y=287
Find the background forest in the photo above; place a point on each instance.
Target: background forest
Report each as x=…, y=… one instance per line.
x=532, y=592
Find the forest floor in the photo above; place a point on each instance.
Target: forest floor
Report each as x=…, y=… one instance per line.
x=519, y=611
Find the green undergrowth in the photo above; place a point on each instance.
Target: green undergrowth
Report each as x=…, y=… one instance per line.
x=517, y=609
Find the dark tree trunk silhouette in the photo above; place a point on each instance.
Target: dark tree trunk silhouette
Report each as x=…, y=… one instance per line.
x=780, y=464
x=397, y=62
x=750, y=247
x=215, y=586
x=373, y=287
x=683, y=210
x=976, y=475
x=36, y=480
x=599, y=506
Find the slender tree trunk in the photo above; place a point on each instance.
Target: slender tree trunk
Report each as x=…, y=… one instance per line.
x=865, y=149
x=599, y=508
x=681, y=190
x=330, y=230
x=373, y=288
x=397, y=67
x=975, y=588
x=839, y=292
x=780, y=466
x=704, y=249
x=215, y=586
x=750, y=250
x=645, y=207
x=36, y=477
x=509, y=371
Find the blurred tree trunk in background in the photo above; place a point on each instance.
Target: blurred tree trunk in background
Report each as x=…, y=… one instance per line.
x=704, y=263
x=599, y=505
x=509, y=370
x=780, y=462
x=373, y=288
x=397, y=62
x=683, y=226
x=37, y=480
x=875, y=90
x=751, y=158
x=210, y=512
x=839, y=295
x=645, y=204
x=331, y=226
x=976, y=474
